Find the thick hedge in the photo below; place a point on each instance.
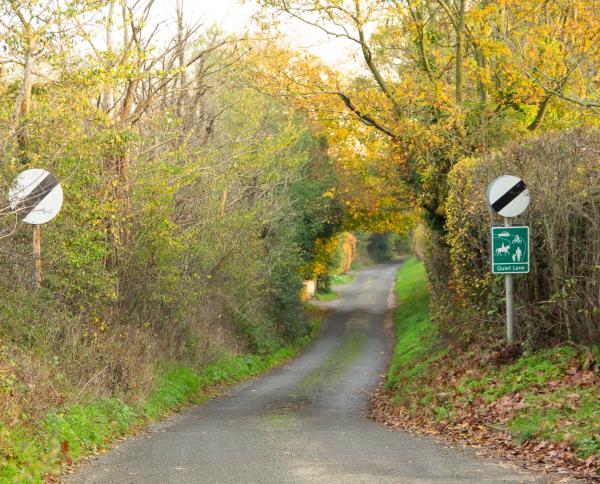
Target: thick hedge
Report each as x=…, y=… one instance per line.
x=560, y=299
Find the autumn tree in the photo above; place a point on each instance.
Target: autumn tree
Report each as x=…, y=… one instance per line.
x=446, y=79
x=35, y=34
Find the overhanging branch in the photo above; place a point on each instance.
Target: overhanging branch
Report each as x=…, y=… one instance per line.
x=366, y=118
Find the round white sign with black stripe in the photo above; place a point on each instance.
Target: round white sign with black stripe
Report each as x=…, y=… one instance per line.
x=508, y=196
x=36, y=196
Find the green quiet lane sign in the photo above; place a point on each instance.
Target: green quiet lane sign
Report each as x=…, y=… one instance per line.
x=510, y=250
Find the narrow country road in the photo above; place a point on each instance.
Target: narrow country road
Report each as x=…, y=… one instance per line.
x=304, y=422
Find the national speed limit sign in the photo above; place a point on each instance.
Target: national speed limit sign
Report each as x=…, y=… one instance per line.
x=36, y=196
x=508, y=196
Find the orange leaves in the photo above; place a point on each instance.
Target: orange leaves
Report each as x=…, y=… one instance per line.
x=394, y=126
x=298, y=78
x=64, y=453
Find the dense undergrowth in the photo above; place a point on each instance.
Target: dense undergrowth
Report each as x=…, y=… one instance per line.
x=30, y=452
x=543, y=402
x=185, y=235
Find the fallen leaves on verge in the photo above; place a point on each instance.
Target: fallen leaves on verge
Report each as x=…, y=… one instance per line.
x=544, y=456
x=483, y=425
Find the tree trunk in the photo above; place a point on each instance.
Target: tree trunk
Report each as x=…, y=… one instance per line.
x=481, y=64
x=182, y=79
x=23, y=104
x=460, y=27
x=107, y=97
x=539, y=117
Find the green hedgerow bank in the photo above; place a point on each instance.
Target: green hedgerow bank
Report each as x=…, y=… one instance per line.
x=543, y=403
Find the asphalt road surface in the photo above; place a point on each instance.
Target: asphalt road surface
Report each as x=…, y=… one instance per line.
x=304, y=422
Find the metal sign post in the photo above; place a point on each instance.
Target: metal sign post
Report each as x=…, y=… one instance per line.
x=510, y=298
x=37, y=197
x=508, y=196
x=37, y=256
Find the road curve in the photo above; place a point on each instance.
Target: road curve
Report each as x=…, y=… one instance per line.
x=304, y=422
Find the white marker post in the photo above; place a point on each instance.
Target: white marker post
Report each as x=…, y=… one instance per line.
x=508, y=196
x=37, y=197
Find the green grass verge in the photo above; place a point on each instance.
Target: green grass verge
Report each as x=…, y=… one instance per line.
x=415, y=332
x=28, y=453
x=326, y=296
x=341, y=278
x=553, y=409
